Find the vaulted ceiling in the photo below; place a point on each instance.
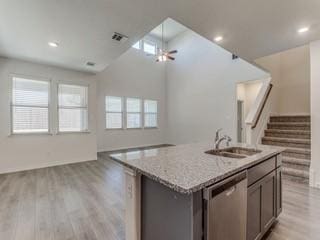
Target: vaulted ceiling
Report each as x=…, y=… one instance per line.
x=83, y=29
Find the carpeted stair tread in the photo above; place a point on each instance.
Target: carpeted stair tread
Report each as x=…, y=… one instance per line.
x=295, y=172
x=290, y=118
x=289, y=125
x=287, y=142
x=296, y=161
x=299, y=134
x=298, y=150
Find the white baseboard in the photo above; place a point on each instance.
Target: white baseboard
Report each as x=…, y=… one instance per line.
x=313, y=179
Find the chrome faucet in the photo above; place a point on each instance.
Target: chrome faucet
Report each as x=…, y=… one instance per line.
x=219, y=139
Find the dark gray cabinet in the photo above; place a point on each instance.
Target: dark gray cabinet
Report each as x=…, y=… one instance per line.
x=254, y=230
x=279, y=191
x=268, y=201
x=264, y=200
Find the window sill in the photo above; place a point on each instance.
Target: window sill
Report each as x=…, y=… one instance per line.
x=147, y=128
x=134, y=128
x=73, y=132
x=111, y=129
x=30, y=134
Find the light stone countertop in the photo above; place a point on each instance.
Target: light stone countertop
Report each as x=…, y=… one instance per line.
x=187, y=168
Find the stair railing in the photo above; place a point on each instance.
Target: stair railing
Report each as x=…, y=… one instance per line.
x=265, y=99
x=256, y=111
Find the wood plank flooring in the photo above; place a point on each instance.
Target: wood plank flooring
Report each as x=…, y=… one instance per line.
x=76, y=201
x=85, y=201
x=300, y=219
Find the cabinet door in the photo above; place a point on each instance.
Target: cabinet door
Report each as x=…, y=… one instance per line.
x=254, y=230
x=268, y=201
x=279, y=191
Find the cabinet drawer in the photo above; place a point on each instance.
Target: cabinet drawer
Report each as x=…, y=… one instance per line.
x=262, y=169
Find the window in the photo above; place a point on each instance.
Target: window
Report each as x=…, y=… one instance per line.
x=113, y=112
x=150, y=113
x=73, y=108
x=30, y=105
x=149, y=47
x=137, y=45
x=133, y=113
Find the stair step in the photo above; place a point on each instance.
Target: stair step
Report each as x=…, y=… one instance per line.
x=301, y=180
x=302, y=174
x=287, y=142
x=295, y=166
x=296, y=161
x=289, y=125
x=302, y=153
x=290, y=118
x=300, y=134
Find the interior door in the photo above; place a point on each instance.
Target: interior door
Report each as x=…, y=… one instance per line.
x=240, y=121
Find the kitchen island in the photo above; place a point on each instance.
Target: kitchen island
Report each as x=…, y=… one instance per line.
x=173, y=193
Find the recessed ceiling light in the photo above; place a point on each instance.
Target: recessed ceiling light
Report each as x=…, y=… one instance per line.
x=303, y=30
x=218, y=39
x=53, y=44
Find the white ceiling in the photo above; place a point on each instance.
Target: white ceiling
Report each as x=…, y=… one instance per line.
x=171, y=29
x=251, y=29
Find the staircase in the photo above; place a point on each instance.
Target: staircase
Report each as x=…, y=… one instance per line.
x=293, y=133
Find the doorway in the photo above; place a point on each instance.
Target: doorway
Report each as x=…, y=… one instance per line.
x=240, y=120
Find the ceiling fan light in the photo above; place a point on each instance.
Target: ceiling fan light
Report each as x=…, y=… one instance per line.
x=162, y=58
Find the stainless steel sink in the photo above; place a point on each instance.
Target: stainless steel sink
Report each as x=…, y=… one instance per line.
x=234, y=152
x=241, y=150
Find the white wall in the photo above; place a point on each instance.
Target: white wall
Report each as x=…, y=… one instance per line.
x=315, y=113
x=132, y=75
x=201, y=89
x=290, y=72
x=196, y=94
x=248, y=92
x=35, y=151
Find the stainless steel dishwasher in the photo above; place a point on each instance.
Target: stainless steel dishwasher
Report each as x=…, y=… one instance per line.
x=225, y=209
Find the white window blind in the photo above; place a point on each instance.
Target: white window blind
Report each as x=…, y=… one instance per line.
x=149, y=47
x=30, y=105
x=73, y=108
x=114, y=114
x=150, y=113
x=133, y=113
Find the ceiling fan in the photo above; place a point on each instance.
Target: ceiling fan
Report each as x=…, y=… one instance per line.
x=163, y=55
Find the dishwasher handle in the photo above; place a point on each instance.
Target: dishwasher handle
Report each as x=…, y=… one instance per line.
x=228, y=185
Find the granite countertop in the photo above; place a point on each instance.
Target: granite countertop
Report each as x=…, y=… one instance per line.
x=187, y=168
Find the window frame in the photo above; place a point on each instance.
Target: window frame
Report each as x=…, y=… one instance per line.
x=86, y=86
x=122, y=113
x=49, y=107
x=146, y=113
x=140, y=113
x=150, y=42
x=140, y=42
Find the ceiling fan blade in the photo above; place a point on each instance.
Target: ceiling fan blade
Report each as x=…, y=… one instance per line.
x=171, y=58
x=173, y=52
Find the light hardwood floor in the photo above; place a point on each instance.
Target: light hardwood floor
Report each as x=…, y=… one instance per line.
x=85, y=201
